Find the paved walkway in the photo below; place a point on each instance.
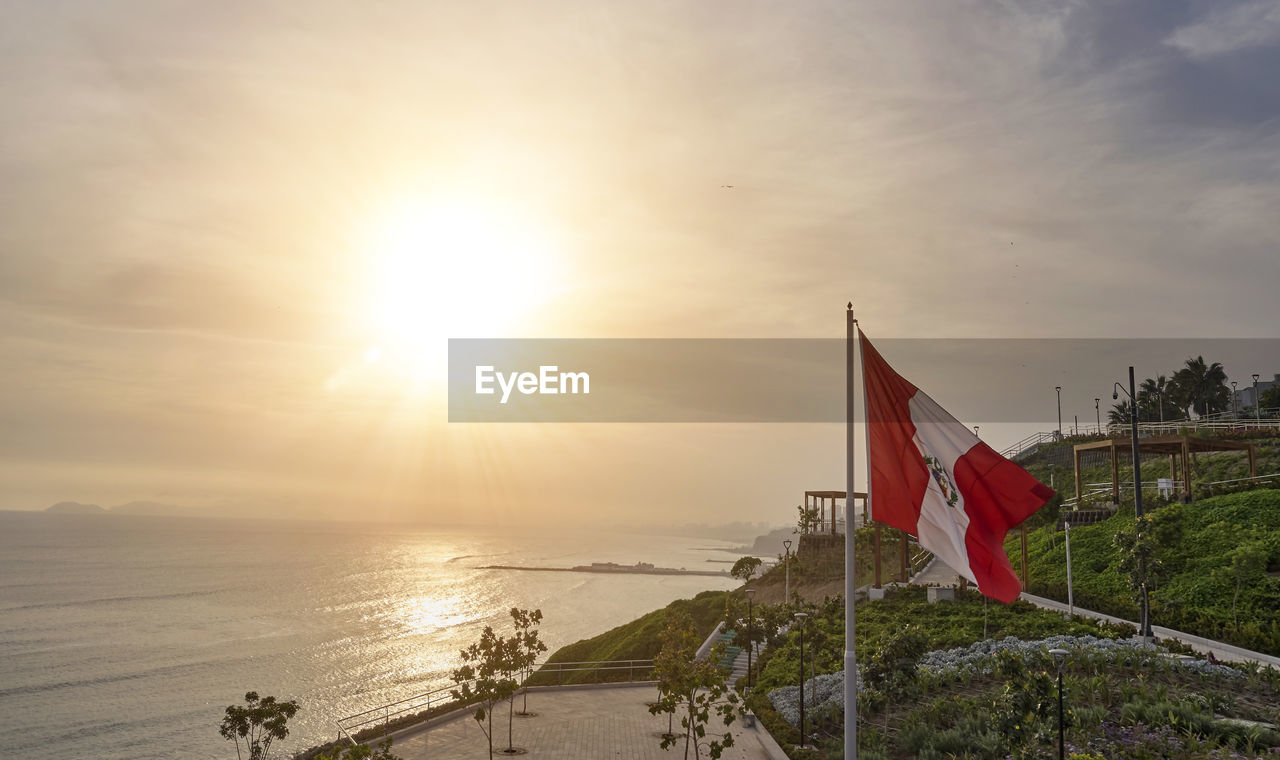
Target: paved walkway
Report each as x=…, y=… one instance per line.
x=1220, y=650
x=573, y=724
x=938, y=573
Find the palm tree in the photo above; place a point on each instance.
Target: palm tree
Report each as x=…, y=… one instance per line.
x=1202, y=386
x=1155, y=400
x=1121, y=413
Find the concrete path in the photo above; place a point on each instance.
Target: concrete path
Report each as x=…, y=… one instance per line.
x=588, y=723
x=1220, y=650
x=938, y=573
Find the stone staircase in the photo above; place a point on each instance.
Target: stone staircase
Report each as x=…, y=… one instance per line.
x=734, y=661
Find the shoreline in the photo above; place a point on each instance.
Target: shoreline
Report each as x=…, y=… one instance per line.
x=618, y=570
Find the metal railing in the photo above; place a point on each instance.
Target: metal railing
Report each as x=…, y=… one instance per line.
x=1177, y=486
x=1224, y=423
x=385, y=715
x=1253, y=478
x=1029, y=443
x=918, y=560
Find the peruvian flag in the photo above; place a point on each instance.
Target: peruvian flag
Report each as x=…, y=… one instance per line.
x=932, y=477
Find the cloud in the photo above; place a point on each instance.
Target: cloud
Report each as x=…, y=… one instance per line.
x=182, y=181
x=1228, y=28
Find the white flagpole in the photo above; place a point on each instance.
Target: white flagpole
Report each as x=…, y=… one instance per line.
x=850, y=661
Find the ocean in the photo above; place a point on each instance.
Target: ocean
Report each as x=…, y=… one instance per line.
x=127, y=637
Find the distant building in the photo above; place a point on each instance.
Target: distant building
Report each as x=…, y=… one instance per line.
x=1244, y=394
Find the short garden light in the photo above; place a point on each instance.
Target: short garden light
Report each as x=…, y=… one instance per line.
x=750, y=634
x=801, y=618
x=1059, y=659
x=786, y=564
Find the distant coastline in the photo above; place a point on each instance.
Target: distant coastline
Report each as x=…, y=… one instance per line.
x=639, y=568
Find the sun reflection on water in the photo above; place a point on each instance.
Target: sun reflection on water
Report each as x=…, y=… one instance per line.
x=428, y=614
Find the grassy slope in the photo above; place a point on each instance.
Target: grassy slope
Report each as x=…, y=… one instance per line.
x=638, y=640
x=945, y=624
x=1198, y=591
x=1054, y=463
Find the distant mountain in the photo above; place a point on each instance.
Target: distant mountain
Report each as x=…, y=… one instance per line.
x=75, y=508
x=149, y=508
x=139, y=508
x=768, y=545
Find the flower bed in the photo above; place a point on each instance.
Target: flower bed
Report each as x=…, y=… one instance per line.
x=979, y=657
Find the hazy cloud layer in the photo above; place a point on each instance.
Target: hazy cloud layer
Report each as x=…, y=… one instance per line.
x=183, y=287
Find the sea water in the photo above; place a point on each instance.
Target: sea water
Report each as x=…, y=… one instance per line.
x=127, y=637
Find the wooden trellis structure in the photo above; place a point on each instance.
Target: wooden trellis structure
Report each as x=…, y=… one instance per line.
x=1179, y=448
x=821, y=500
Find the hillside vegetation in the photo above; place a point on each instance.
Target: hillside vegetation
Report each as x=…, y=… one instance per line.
x=996, y=697
x=637, y=640
x=1053, y=465
x=1220, y=574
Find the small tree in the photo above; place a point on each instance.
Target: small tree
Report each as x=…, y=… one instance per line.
x=258, y=723
x=1138, y=556
x=693, y=686
x=808, y=517
x=526, y=622
x=529, y=646
x=485, y=678
x=1248, y=564
x=1270, y=398
x=745, y=568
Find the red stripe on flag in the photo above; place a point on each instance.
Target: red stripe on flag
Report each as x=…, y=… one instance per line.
x=998, y=496
x=898, y=475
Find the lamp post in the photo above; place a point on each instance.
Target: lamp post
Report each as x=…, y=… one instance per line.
x=1059, y=658
x=800, y=621
x=1144, y=623
x=1071, y=602
x=750, y=634
x=1234, y=395
x=1097, y=412
x=1160, y=401
x=786, y=568
x=1257, y=402
x=1058, y=389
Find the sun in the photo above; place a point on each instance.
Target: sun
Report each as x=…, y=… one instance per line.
x=451, y=268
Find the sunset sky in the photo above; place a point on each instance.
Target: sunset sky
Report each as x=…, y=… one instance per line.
x=236, y=236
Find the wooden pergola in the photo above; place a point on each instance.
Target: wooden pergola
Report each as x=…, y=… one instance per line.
x=819, y=500
x=1177, y=447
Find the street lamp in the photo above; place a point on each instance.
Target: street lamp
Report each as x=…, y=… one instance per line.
x=786, y=565
x=1144, y=623
x=1097, y=412
x=750, y=634
x=1234, y=394
x=1059, y=658
x=1058, y=388
x=1257, y=402
x=800, y=621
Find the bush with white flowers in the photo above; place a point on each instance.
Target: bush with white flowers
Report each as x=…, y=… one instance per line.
x=979, y=656
x=826, y=692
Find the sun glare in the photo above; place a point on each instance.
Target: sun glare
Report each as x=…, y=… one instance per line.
x=451, y=269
